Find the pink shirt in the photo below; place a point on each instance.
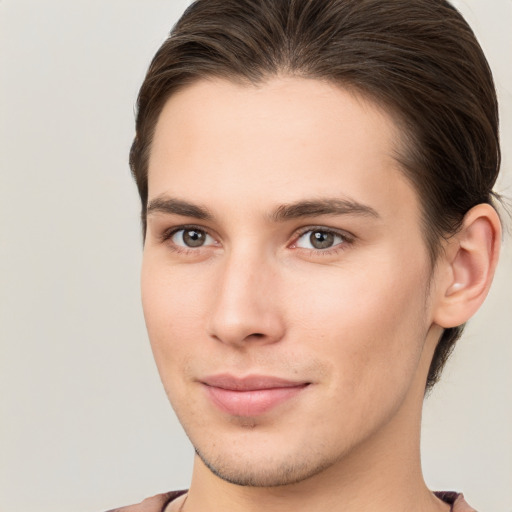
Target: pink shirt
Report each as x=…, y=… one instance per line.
x=160, y=501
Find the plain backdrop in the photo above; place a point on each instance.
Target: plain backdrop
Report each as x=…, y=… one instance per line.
x=84, y=423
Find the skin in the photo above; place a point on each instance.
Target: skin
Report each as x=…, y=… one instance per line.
x=357, y=321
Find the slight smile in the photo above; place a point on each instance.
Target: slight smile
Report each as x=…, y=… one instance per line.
x=252, y=395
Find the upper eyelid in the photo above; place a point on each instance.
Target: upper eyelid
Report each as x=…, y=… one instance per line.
x=341, y=232
x=169, y=232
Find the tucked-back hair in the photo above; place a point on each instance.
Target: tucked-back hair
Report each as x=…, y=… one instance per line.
x=417, y=58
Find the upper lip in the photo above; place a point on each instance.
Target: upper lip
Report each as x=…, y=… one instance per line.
x=250, y=382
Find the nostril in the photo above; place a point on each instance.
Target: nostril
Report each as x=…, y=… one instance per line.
x=255, y=336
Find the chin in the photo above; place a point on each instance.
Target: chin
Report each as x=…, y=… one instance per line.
x=266, y=471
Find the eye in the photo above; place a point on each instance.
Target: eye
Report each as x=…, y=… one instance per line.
x=319, y=239
x=191, y=237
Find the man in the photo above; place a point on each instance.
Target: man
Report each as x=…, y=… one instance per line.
x=317, y=201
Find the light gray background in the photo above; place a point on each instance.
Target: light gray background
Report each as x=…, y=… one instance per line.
x=84, y=423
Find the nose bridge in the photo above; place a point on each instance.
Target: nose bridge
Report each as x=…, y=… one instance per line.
x=245, y=307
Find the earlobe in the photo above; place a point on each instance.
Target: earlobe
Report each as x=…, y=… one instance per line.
x=469, y=263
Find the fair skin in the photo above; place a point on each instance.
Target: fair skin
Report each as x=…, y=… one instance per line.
x=290, y=300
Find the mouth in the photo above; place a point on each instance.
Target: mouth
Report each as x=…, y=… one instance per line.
x=252, y=395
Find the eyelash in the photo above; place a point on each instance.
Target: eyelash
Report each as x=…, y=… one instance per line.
x=348, y=239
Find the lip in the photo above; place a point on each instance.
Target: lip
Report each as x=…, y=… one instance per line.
x=252, y=395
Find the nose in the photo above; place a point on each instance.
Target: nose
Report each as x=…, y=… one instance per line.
x=245, y=307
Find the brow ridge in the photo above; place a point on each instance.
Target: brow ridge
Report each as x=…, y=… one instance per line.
x=317, y=207
x=299, y=209
x=170, y=205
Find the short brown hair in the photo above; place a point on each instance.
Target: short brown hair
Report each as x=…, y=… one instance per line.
x=417, y=58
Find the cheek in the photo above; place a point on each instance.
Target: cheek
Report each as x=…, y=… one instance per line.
x=173, y=310
x=368, y=325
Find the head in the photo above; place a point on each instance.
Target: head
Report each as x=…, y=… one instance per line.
x=419, y=60
x=408, y=74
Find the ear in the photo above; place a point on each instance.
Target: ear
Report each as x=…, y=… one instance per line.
x=465, y=271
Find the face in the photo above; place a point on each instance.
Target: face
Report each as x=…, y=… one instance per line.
x=285, y=277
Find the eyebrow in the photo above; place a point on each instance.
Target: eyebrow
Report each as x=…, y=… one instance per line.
x=297, y=210
x=314, y=208
x=178, y=207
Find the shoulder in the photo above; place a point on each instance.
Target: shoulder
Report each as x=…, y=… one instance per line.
x=459, y=504
x=154, y=504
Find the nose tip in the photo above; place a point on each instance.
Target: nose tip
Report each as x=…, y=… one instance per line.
x=240, y=330
x=245, y=309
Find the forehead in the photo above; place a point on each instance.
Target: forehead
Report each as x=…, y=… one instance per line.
x=288, y=138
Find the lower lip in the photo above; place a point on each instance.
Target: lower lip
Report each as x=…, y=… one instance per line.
x=251, y=402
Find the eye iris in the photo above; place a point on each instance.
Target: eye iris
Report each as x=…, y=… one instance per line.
x=321, y=239
x=193, y=237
